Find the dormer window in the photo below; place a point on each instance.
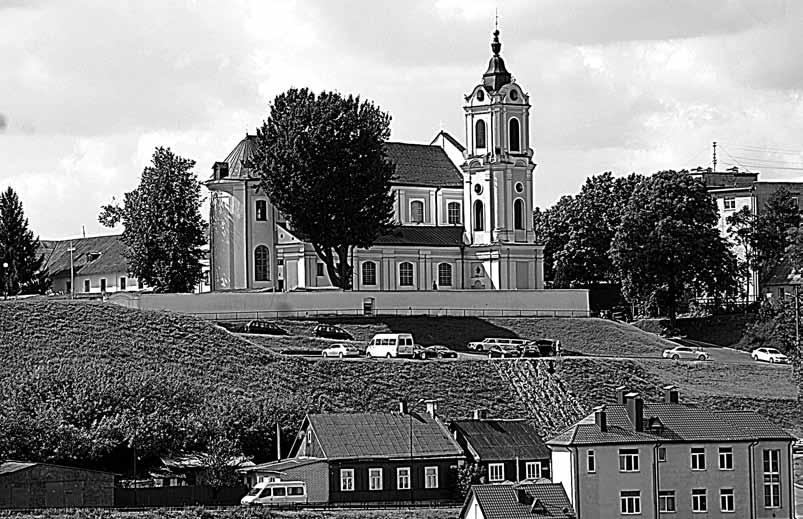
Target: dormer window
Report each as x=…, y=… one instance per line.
x=92, y=256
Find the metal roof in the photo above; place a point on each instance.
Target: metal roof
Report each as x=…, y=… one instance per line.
x=382, y=435
x=423, y=235
x=14, y=466
x=110, y=257
x=496, y=440
x=281, y=466
x=502, y=501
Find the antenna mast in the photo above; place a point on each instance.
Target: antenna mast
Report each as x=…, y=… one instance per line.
x=715, y=156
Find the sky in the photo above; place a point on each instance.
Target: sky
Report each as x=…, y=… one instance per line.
x=89, y=89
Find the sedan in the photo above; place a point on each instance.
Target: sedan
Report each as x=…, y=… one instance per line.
x=265, y=327
x=331, y=331
x=504, y=351
x=770, y=355
x=684, y=352
x=440, y=352
x=340, y=351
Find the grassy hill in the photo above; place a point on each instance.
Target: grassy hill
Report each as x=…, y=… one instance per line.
x=78, y=380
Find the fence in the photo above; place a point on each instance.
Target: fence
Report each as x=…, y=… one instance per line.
x=429, y=312
x=178, y=496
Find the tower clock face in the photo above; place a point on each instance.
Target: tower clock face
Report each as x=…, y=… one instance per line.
x=478, y=189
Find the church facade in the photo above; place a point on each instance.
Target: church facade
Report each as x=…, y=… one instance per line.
x=464, y=212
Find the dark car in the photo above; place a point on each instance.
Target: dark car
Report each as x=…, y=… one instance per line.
x=504, y=351
x=543, y=347
x=330, y=331
x=440, y=352
x=530, y=349
x=263, y=327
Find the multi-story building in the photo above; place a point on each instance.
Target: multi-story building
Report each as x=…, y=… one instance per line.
x=673, y=460
x=464, y=225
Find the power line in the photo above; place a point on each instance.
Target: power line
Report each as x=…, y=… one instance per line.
x=747, y=166
x=767, y=149
x=755, y=159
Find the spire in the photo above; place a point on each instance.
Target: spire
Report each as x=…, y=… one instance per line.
x=497, y=75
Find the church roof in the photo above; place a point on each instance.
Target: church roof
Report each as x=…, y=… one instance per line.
x=416, y=164
x=497, y=75
x=423, y=235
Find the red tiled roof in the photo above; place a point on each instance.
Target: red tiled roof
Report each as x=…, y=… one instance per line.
x=423, y=235
x=501, y=501
x=496, y=440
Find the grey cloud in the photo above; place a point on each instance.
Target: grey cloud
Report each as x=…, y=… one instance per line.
x=3, y=123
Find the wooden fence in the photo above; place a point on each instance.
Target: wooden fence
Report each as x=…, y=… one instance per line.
x=177, y=496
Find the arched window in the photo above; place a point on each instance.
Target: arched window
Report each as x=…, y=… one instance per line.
x=417, y=211
x=262, y=211
x=479, y=216
x=406, y=274
x=369, y=273
x=518, y=214
x=453, y=211
x=444, y=275
x=514, y=135
x=261, y=263
x=479, y=134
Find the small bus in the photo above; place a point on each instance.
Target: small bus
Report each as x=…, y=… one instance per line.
x=276, y=493
x=390, y=345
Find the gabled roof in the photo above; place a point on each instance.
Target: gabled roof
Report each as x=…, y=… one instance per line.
x=681, y=423
x=448, y=136
x=501, y=501
x=14, y=466
x=783, y=274
x=496, y=440
x=281, y=466
x=381, y=436
x=110, y=257
x=423, y=235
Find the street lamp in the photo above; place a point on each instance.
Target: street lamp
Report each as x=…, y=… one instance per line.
x=5, y=280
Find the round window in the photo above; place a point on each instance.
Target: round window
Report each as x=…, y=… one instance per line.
x=519, y=187
x=478, y=189
x=514, y=94
x=480, y=95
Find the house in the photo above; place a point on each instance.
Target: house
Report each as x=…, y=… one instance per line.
x=517, y=501
x=634, y=458
x=370, y=457
x=42, y=485
x=504, y=450
x=190, y=469
x=460, y=226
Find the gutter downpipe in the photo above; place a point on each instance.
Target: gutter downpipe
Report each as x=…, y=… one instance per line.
x=657, y=480
x=790, y=462
x=576, y=482
x=750, y=474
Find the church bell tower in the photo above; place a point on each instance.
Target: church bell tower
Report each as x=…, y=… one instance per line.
x=498, y=170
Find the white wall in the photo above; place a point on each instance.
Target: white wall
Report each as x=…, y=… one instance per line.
x=562, y=472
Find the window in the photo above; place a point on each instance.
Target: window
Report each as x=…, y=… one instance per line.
x=369, y=273
x=295, y=491
x=417, y=211
x=699, y=500
x=666, y=501
x=445, y=275
x=403, y=478
x=279, y=492
x=453, y=213
x=515, y=135
x=772, y=478
x=729, y=203
x=140, y=284
x=479, y=216
x=319, y=269
x=518, y=214
x=431, y=477
x=86, y=285
x=122, y=283
x=726, y=458
x=661, y=453
x=697, y=458
x=726, y=501
x=532, y=469
x=69, y=287
x=591, y=462
x=628, y=460
x=347, y=480
x=479, y=134
x=103, y=284
x=630, y=502
x=496, y=472
x=261, y=263
x=519, y=187
x=480, y=95
x=262, y=211
x=406, y=274
x=374, y=479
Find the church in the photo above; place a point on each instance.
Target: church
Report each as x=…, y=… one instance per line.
x=464, y=212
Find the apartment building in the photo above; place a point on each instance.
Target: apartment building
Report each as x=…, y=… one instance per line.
x=668, y=459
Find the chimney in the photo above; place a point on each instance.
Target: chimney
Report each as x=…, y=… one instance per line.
x=600, y=418
x=432, y=408
x=480, y=414
x=403, y=407
x=671, y=395
x=621, y=391
x=523, y=497
x=635, y=410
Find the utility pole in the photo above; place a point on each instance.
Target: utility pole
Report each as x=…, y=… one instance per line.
x=72, y=270
x=715, y=158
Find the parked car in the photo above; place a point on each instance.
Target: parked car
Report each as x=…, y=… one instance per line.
x=489, y=342
x=438, y=351
x=685, y=352
x=340, y=351
x=504, y=350
x=264, y=327
x=330, y=331
x=276, y=493
x=530, y=349
x=770, y=355
x=390, y=345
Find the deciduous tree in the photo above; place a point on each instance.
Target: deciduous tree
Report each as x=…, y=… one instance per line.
x=18, y=250
x=164, y=230
x=322, y=162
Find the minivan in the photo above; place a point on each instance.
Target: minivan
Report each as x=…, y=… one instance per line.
x=276, y=493
x=390, y=345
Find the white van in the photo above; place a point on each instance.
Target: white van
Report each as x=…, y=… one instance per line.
x=390, y=345
x=276, y=493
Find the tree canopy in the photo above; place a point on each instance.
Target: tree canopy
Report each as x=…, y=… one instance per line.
x=668, y=245
x=322, y=163
x=18, y=250
x=163, y=229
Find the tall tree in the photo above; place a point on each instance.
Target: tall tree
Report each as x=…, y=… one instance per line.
x=163, y=229
x=18, y=250
x=322, y=163
x=668, y=244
